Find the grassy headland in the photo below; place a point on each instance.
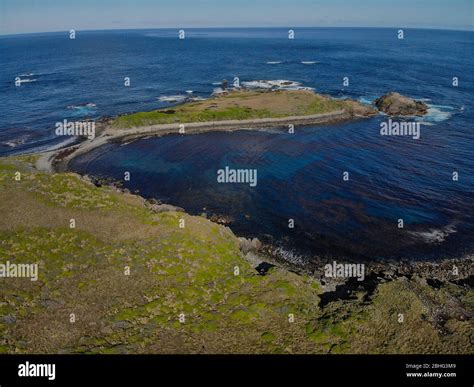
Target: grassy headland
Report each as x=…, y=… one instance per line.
x=241, y=105
x=186, y=271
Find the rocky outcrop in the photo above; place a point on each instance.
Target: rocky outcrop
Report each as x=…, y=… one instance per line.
x=221, y=219
x=395, y=104
x=249, y=245
x=358, y=109
x=158, y=207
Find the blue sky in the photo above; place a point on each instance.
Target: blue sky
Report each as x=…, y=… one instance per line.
x=24, y=16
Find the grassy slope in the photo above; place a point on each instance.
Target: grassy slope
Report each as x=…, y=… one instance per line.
x=173, y=271
x=237, y=106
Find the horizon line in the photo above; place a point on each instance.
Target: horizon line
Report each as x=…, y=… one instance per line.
x=240, y=27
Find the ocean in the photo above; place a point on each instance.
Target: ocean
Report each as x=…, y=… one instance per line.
x=300, y=175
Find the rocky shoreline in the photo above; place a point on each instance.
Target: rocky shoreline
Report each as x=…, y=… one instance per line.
x=257, y=253
x=399, y=307
x=265, y=256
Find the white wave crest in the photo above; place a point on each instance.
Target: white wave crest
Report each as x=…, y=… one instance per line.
x=173, y=98
x=88, y=105
x=16, y=141
x=435, y=235
x=278, y=84
x=435, y=114
x=290, y=256
x=26, y=80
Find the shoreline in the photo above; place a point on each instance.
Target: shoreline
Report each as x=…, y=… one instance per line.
x=378, y=271
x=58, y=160
x=260, y=109
x=436, y=297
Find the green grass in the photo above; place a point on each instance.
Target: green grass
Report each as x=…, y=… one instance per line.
x=217, y=109
x=174, y=271
x=184, y=116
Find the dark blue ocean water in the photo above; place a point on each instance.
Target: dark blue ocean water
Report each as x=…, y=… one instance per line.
x=300, y=175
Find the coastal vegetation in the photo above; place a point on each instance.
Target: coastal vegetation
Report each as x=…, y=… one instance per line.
x=243, y=105
x=137, y=282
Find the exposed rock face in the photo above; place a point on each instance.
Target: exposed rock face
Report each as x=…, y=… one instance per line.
x=158, y=207
x=165, y=208
x=249, y=245
x=358, y=109
x=395, y=104
x=221, y=219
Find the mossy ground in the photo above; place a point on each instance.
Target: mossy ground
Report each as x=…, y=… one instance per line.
x=181, y=295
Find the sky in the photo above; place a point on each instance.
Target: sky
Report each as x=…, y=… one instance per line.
x=27, y=16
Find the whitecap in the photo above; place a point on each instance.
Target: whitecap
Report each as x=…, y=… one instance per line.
x=82, y=106
x=26, y=80
x=273, y=62
x=435, y=114
x=309, y=62
x=435, y=235
x=173, y=98
x=290, y=256
x=278, y=84
x=257, y=85
x=16, y=141
x=367, y=100
x=48, y=147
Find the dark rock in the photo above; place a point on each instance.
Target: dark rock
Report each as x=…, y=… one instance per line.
x=221, y=219
x=264, y=267
x=395, y=104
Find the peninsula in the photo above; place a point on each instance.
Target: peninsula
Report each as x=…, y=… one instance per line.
x=234, y=110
